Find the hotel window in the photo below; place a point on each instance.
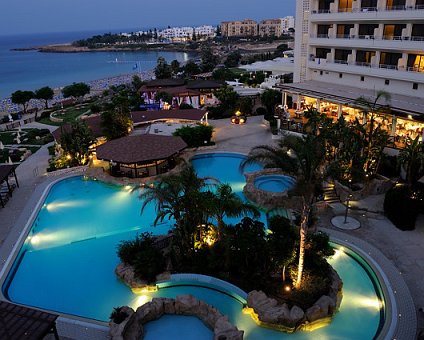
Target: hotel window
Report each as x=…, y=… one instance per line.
x=340, y=56
x=393, y=32
x=322, y=31
x=324, y=5
x=345, y=5
x=322, y=53
x=320, y=73
x=368, y=5
x=418, y=30
x=419, y=4
x=343, y=31
x=395, y=4
x=415, y=86
x=362, y=78
x=340, y=75
x=416, y=62
x=387, y=82
x=389, y=60
x=363, y=58
x=366, y=31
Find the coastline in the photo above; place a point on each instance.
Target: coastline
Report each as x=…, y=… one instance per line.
x=96, y=86
x=69, y=48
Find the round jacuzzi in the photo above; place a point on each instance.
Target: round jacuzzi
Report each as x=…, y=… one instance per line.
x=274, y=183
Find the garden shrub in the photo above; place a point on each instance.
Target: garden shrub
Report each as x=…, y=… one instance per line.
x=400, y=208
x=185, y=106
x=141, y=253
x=261, y=111
x=195, y=136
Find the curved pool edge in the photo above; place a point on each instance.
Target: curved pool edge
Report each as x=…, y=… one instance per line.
x=401, y=318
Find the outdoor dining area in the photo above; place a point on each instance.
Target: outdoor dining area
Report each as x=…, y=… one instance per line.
x=8, y=182
x=140, y=156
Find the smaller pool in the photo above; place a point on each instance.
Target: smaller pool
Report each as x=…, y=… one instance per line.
x=274, y=183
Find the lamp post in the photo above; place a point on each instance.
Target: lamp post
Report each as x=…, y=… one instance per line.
x=347, y=202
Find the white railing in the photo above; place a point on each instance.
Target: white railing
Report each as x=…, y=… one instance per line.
x=370, y=9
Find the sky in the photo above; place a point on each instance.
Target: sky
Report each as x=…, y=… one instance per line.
x=40, y=16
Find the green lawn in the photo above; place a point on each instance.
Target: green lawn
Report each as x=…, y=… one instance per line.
x=69, y=116
x=28, y=136
x=7, y=137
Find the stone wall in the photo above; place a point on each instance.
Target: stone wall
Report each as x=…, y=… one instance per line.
x=132, y=327
x=376, y=186
x=269, y=313
x=268, y=199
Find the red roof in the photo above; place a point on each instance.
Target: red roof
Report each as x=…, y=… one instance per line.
x=150, y=116
x=140, y=148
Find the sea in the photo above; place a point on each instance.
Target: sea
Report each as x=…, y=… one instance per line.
x=30, y=70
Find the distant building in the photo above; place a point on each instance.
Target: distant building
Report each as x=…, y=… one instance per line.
x=177, y=33
x=270, y=27
x=239, y=28
x=205, y=31
x=287, y=23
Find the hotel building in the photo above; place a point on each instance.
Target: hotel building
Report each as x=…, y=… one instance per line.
x=345, y=49
x=239, y=28
x=270, y=27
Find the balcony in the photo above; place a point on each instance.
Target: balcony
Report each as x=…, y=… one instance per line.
x=410, y=74
x=396, y=43
x=369, y=13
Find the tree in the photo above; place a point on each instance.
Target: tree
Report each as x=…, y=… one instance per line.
x=191, y=68
x=76, y=90
x=179, y=196
x=307, y=155
x=75, y=143
x=45, y=93
x=22, y=98
x=227, y=96
x=233, y=59
x=412, y=158
x=162, y=69
x=195, y=136
x=376, y=138
x=209, y=60
x=175, y=67
x=270, y=98
x=115, y=124
x=136, y=82
x=225, y=203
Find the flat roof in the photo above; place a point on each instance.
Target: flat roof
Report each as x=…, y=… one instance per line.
x=150, y=116
x=140, y=148
x=346, y=95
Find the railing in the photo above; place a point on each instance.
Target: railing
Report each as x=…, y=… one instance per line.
x=340, y=61
x=392, y=37
x=369, y=9
x=342, y=36
x=415, y=69
x=362, y=63
x=389, y=67
x=417, y=38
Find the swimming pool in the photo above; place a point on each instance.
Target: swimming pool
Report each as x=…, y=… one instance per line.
x=274, y=183
x=68, y=259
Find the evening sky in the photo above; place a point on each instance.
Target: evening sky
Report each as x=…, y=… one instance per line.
x=29, y=16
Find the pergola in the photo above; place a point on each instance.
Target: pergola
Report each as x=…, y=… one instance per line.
x=5, y=171
x=141, y=155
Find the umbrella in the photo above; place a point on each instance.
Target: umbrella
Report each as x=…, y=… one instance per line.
x=1, y=145
x=18, y=140
x=10, y=160
x=19, y=129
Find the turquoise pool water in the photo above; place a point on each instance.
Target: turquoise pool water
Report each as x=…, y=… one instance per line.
x=68, y=259
x=274, y=183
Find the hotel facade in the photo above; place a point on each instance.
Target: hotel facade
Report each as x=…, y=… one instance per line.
x=345, y=49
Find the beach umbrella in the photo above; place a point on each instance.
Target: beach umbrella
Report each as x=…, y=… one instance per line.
x=1, y=145
x=10, y=118
x=18, y=140
x=10, y=160
x=19, y=129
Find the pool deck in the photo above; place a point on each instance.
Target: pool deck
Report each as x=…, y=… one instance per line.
x=400, y=254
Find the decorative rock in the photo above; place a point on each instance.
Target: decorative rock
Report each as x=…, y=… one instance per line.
x=315, y=312
x=132, y=327
x=296, y=314
x=126, y=273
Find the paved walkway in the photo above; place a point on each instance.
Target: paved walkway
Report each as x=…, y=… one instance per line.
x=405, y=249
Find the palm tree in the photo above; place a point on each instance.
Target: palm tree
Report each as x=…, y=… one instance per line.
x=376, y=137
x=180, y=196
x=301, y=157
x=412, y=156
x=224, y=202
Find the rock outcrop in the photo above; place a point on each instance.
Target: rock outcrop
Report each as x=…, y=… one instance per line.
x=132, y=327
x=280, y=316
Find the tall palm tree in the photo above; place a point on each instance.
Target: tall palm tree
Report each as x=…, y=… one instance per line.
x=180, y=196
x=376, y=137
x=301, y=157
x=412, y=156
x=224, y=202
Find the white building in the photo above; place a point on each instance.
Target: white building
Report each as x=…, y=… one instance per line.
x=348, y=48
x=205, y=31
x=287, y=23
x=177, y=33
